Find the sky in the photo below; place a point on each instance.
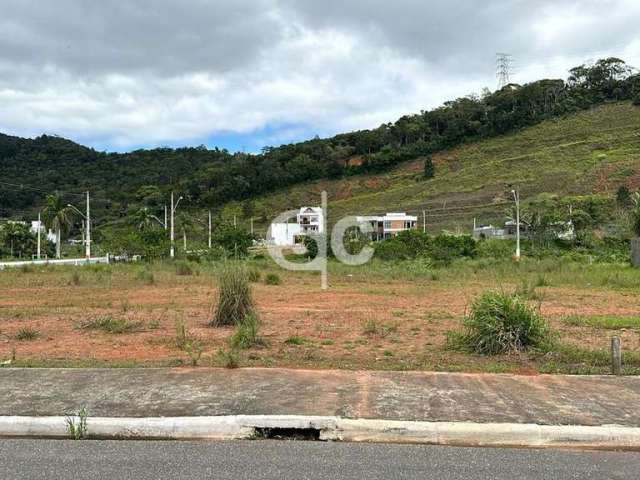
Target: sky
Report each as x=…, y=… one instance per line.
x=243, y=74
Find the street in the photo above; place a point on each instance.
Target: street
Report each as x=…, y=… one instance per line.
x=263, y=459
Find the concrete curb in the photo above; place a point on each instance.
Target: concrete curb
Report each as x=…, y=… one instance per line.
x=612, y=437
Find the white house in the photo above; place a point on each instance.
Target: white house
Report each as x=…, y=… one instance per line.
x=309, y=220
x=389, y=225
x=38, y=226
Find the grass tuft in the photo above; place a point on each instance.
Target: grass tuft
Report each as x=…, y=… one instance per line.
x=109, y=324
x=27, y=334
x=246, y=335
x=272, y=279
x=235, y=301
x=499, y=323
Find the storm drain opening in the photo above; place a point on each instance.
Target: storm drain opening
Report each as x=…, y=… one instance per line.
x=279, y=433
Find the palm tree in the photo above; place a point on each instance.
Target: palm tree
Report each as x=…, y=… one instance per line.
x=58, y=217
x=144, y=219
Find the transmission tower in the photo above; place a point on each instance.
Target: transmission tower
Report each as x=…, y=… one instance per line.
x=504, y=69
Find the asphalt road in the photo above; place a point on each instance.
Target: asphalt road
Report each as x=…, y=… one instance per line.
x=50, y=459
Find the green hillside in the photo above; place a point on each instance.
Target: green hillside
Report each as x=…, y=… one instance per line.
x=588, y=153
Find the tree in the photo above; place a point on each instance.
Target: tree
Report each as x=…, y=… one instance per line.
x=18, y=240
x=58, y=217
x=144, y=219
x=235, y=241
x=429, y=168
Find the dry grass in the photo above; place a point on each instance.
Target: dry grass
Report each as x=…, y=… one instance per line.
x=376, y=317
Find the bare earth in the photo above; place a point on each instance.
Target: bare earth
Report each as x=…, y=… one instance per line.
x=332, y=328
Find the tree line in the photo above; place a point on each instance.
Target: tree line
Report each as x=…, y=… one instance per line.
x=212, y=177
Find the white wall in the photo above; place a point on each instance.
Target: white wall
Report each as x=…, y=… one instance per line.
x=282, y=234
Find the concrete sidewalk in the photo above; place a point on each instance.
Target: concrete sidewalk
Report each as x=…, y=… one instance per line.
x=389, y=396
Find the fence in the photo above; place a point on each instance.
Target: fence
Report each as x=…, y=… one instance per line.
x=64, y=261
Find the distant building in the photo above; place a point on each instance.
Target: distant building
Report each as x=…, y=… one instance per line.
x=389, y=225
x=309, y=220
x=489, y=231
x=38, y=226
x=560, y=230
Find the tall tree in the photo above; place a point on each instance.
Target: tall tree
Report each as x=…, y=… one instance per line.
x=58, y=217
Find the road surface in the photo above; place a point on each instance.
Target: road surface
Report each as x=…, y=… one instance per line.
x=269, y=459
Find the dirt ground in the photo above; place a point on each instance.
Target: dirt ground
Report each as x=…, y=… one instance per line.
x=356, y=324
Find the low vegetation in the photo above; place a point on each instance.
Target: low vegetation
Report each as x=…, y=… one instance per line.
x=77, y=424
x=113, y=325
x=27, y=334
x=247, y=333
x=235, y=301
x=500, y=323
x=272, y=279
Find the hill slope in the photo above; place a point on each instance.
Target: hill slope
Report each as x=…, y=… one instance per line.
x=591, y=152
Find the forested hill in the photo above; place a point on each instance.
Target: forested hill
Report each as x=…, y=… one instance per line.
x=32, y=168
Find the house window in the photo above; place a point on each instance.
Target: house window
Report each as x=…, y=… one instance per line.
x=387, y=224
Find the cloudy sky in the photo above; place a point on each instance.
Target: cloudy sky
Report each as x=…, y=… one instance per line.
x=242, y=74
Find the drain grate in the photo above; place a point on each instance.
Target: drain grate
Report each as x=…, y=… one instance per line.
x=277, y=433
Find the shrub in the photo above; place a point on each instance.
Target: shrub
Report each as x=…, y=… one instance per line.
x=27, y=334
x=495, y=248
x=295, y=340
x=246, y=335
x=500, y=323
x=445, y=248
x=272, y=279
x=636, y=100
x=235, y=301
x=183, y=268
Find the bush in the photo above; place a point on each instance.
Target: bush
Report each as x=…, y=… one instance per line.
x=500, y=323
x=445, y=248
x=183, y=268
x=272, y=279
x=495, y=248
x=246, y=335
x=636, y=100
x=235, y=301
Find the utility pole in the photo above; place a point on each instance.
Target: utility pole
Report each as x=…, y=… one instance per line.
x=39, y=231
x=88, y=238
x=516, y=197
x=209, y=229
x=235, y=223
x=184, y=239
x=165, y=217
x=504, y=69
x=172, y=251
x=251, y=226
x=424, y=221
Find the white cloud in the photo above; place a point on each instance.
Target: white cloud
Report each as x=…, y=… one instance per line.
x=147, y=72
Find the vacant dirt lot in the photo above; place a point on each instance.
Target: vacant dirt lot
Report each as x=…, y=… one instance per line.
x=366, y=320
